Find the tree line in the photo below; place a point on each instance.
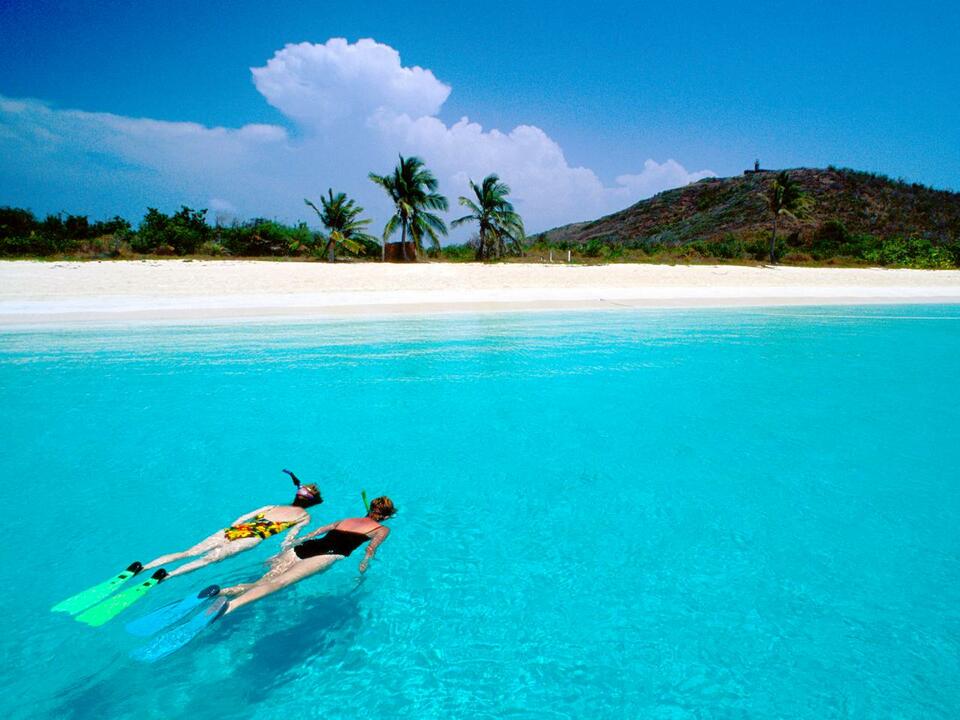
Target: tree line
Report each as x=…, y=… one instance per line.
x=416, y=220
x=411, y=187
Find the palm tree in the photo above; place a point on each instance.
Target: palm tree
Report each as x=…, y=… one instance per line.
x=495, y=214
x=340, y=216
x=784, y=197
x=413, y=190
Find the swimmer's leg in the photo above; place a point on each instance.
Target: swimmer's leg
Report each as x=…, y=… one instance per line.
x=267, y=585
x=279, y=564
x=217, y=553
x=205, y=545
x=236, y=589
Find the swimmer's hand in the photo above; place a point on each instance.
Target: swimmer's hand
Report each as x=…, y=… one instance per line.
x=364, y=564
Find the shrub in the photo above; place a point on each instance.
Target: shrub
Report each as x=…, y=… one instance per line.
x=458, y=253
x=729, y=248
x=612, y=251
x=912, y=252
x=14, y=246
x=184, y=231
x=16, y=222
x=371, y=248
x=794, y=240
x=152, y=231
x=212, y=248
x=256, y=237
x=832, y=231
x=695, y=249
x=141, y=243
x=591, y=248
x=300, y=240
x=759, y=249
x=103, y=246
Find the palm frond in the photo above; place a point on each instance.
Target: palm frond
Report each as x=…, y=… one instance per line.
x=433, y=222
x=463, y=220
x=391, y=227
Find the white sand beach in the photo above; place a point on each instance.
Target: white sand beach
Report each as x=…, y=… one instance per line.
x=59, y=293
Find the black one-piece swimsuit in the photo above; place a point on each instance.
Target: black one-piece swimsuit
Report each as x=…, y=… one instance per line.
x=334, y=542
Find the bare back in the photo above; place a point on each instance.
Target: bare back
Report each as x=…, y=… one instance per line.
x=277, y=513
x=360, y=525
x=286, y=513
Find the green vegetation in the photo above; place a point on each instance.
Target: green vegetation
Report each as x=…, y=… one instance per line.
x=499, y=222
x=413, y=190
x=820, y=217
x=22, y=234
x=826, y=248
x=341, y=217
x=186, y=232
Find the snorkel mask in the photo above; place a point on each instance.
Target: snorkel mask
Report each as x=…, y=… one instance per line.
x=309, y=493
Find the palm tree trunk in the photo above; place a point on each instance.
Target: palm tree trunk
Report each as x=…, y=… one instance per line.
x=331, y=251
x=403, y=239
x=773, y=242
x=479, y=253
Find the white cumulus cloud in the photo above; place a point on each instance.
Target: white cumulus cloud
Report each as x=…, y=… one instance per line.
x=328, y=83
x=352, y=108
x=658, y=176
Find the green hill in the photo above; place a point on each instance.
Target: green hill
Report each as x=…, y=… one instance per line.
x=853, y=215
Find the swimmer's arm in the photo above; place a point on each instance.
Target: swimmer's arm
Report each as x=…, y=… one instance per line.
x=251, y=514
x=378, y=537
x=293, y=532
x=320, y=530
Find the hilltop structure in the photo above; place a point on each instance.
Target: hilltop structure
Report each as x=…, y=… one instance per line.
x=756, y=169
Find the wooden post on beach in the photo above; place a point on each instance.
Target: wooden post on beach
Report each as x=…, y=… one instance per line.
x=551, y=256
x=568, y=256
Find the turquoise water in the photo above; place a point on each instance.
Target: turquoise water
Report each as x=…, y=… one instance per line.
x=660, y=514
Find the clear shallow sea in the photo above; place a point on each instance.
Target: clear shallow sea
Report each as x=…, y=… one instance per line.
x=657, y=514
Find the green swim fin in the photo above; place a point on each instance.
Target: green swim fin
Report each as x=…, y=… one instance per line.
x=116, y=604
x=91, y=596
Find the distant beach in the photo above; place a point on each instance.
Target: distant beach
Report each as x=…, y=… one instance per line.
x=62, y=293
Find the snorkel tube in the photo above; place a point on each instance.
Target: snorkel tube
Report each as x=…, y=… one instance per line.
x=308, y=494
x=366, y=504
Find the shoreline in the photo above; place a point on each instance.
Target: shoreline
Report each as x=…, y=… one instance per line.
x=176, y=291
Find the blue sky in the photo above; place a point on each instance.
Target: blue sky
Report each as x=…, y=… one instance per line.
x=608, y=86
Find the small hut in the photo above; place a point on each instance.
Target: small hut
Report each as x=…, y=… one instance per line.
x=393, y=252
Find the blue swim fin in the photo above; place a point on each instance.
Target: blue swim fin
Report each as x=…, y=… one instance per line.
x=174, y=639
x=172, y=613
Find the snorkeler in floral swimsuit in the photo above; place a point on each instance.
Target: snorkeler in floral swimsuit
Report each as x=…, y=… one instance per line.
x=247, y=531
